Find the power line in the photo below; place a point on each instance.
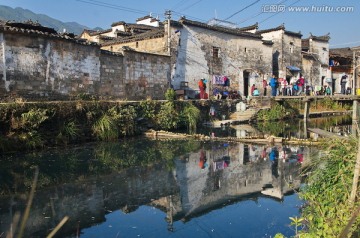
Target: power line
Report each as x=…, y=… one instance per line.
x=127, y=9
x=261, y=12
x=179, y=4
x=113, y=6
x=187, y=16
x=278, y=12
x=190, y=5
x=242, y=9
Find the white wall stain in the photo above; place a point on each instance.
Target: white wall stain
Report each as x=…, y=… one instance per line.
x=47, y=58
x=3, y=47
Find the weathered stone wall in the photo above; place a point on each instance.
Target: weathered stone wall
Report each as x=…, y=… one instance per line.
x=321, y=50
x=311, y=70
x=112, y=75
x=36, y=66
x=237, y=54
x=3, y=82
x=286, y=52
x=151, y=45
x=292, y=53
x=277, y=56
x=146, y=75
x=315, y=63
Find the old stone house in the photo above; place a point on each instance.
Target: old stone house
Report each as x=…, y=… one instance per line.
x=286, y=51
x=148, y=42
x=96, y=36
x=121, y=32
x=36, y=61
x=136, y=61
x=315, y=61
x=215, y=52
x=345, y=61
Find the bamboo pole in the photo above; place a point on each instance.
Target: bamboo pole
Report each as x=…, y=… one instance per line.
x=357, y=163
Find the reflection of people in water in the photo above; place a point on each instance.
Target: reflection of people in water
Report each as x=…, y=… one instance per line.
x=300, y=155
x=202, y=162
x=264, y=154
x=300, y=158
x=274, y=155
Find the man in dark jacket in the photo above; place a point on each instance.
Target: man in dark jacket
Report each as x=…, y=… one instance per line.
x=343, y=81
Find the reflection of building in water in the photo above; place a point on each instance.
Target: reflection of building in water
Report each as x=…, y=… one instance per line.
x=245, y=130
x=88, y=201
x=247, y=174
x=189, y=190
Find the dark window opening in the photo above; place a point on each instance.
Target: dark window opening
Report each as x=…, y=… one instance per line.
x=216, y=52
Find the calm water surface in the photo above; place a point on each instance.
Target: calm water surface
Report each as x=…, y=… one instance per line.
x=148, y=188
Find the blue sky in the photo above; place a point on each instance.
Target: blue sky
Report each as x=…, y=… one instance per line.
x=340, y=18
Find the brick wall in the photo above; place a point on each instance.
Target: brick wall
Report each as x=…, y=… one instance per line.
x=146, y=75
x=112, y=75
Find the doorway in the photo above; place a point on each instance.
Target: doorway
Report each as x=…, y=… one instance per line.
x=246, y=83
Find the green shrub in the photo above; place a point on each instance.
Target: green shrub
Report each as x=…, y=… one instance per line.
x=168, y=116
x=33, y=118
x=105, y=128
x=191, y=115
x=170, y=94
x=68, y=131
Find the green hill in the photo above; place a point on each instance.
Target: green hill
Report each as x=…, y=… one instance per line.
x=20, y=15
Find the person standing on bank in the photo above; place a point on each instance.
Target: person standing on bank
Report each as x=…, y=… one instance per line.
x=264, y=86
x=252, y=89
x=202, y=88
x=300, y=83
x=273, y=85
x=343, y=82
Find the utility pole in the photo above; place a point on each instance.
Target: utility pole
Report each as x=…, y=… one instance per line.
x=168, y=17
x=354, y=72
x=355, y=123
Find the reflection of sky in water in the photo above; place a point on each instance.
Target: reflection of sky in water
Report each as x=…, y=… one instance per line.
x=261, y=218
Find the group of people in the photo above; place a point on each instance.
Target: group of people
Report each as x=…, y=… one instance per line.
x=299, y=87
x=218, y=92
x=283, y=87
x=279, y=86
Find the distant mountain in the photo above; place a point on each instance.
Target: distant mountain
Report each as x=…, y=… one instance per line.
x=20, y=15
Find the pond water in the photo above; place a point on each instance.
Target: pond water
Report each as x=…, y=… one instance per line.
x=155, y=188
x=341, y=125
x=159, y=188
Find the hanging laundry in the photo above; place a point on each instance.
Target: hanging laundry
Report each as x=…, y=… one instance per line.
x=218, y=79
x=221, y=80
x=218, y=165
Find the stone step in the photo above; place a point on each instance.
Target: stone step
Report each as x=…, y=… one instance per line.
x=244, y=115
